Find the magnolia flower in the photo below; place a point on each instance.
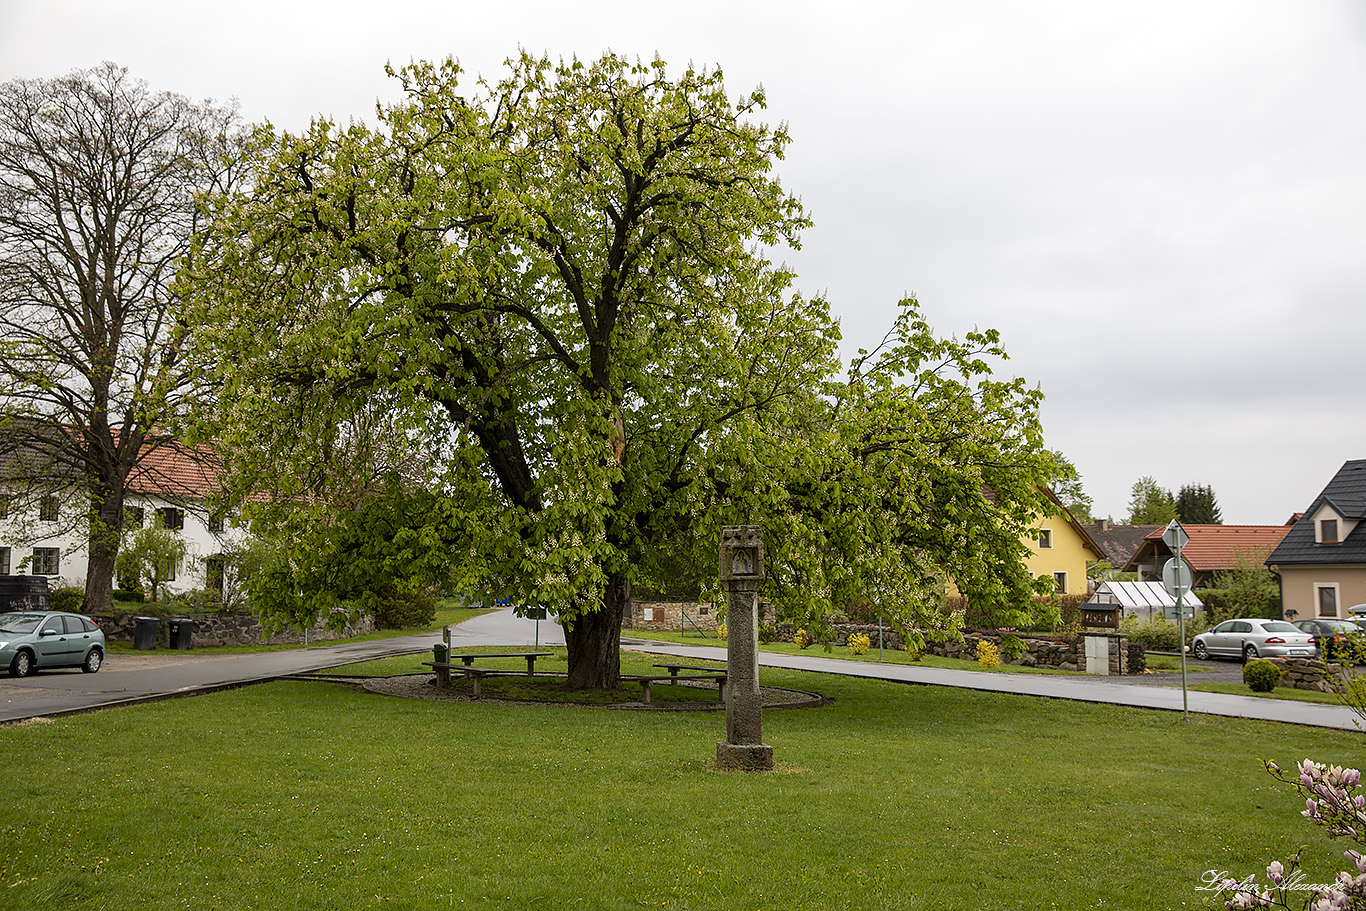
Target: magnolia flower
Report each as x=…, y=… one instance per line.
x=1275, y=872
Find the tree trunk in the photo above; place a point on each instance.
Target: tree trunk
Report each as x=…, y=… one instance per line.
x=594, y=640
x=106, y=527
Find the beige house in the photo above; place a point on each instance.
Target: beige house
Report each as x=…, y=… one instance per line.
x=1322, y=560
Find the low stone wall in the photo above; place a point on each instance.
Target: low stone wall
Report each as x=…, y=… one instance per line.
x=671, y=616
x=1065, y=654
x=1307, y=674
x=223, y=628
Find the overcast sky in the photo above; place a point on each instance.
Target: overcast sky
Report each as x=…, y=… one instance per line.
x=1161, y=205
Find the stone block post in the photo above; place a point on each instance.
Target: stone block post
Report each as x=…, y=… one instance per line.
x=742, y=571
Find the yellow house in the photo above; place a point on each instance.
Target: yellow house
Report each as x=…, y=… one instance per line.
x=1060, y=548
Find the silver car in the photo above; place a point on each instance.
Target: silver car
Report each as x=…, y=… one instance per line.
x=31, y=641
x=1255, y=638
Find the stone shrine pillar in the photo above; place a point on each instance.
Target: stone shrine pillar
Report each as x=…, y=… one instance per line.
x=742, y=570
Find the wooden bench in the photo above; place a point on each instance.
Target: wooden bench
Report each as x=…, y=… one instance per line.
x=466, y=667
x=443, y=673
x=673, y=670
x=646, y=679
x=468, y=659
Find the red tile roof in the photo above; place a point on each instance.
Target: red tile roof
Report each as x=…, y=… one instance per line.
x=1216, y=547
x=174, y=471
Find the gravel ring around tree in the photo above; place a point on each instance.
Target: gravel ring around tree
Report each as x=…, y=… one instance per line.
x=423, y=686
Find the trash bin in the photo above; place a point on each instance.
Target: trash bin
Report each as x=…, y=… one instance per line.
x=145, y=633
x=181, y=631
x=440, y=653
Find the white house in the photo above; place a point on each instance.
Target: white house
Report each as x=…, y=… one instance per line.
x=48, y=534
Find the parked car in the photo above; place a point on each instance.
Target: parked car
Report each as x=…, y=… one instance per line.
x=31, y=641
x=1254, y=638
x=1330, y=635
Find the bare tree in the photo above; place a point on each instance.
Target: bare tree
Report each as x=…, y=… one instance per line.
x=98, y=179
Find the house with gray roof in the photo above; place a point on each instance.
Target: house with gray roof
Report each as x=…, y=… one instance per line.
x=1322, y=559
x=1119, y=542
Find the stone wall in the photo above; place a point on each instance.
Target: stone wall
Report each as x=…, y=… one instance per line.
x=222, y=628
x=671, y=616
x=1066, y=654
x=1307, y=674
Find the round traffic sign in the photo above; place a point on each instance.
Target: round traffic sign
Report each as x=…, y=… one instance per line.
x=1176, y=572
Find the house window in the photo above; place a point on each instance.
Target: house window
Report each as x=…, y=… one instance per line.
x=1328, y=531
x=214, y=574
x=1045, y=538
x=216, y=523
x=133, y=516
x=1060, y=582
x=168, y=570
x=47, y=509
x=46, y=561
x=4, y=561
x=4, y=506
x=1327, y=596
x=171, y=518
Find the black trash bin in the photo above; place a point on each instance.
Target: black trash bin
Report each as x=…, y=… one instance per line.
x=181, y=630
x=145, y=633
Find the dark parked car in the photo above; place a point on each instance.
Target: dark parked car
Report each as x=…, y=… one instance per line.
x=1254, y=638
x=31, y=641
x=1330, y=635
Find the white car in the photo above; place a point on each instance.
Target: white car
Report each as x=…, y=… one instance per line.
x=1255, y=638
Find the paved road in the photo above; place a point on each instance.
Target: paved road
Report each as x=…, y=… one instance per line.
x=1081, y=688
x=137, y=676
x=129, y=677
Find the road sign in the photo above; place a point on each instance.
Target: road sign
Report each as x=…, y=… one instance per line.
x=1176, y=572
x=1170, y=612
x=1175, y=537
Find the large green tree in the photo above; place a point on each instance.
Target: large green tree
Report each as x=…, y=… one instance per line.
x=1150, y=504
x=557, y=284
x=1196, y=504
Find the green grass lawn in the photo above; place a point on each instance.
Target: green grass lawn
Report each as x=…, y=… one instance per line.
x=307, y=795
x=1280, y=692
x=1171, y=663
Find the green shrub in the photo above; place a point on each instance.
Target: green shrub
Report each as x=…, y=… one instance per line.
x=197, y=600
x=1261, y=676
x=803, y=639
x=768, y=632
x=69, y=599
x=1155, y=632
x=988, y=655
x=858, y=643
x=130, y=594
x=404, y=609
x=1013, y=647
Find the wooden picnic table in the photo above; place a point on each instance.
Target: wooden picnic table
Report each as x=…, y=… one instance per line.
x=468, y=658
x=717, y=677
x=470, y=672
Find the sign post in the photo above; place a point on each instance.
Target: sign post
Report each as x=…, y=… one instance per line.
x=1176, y=579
